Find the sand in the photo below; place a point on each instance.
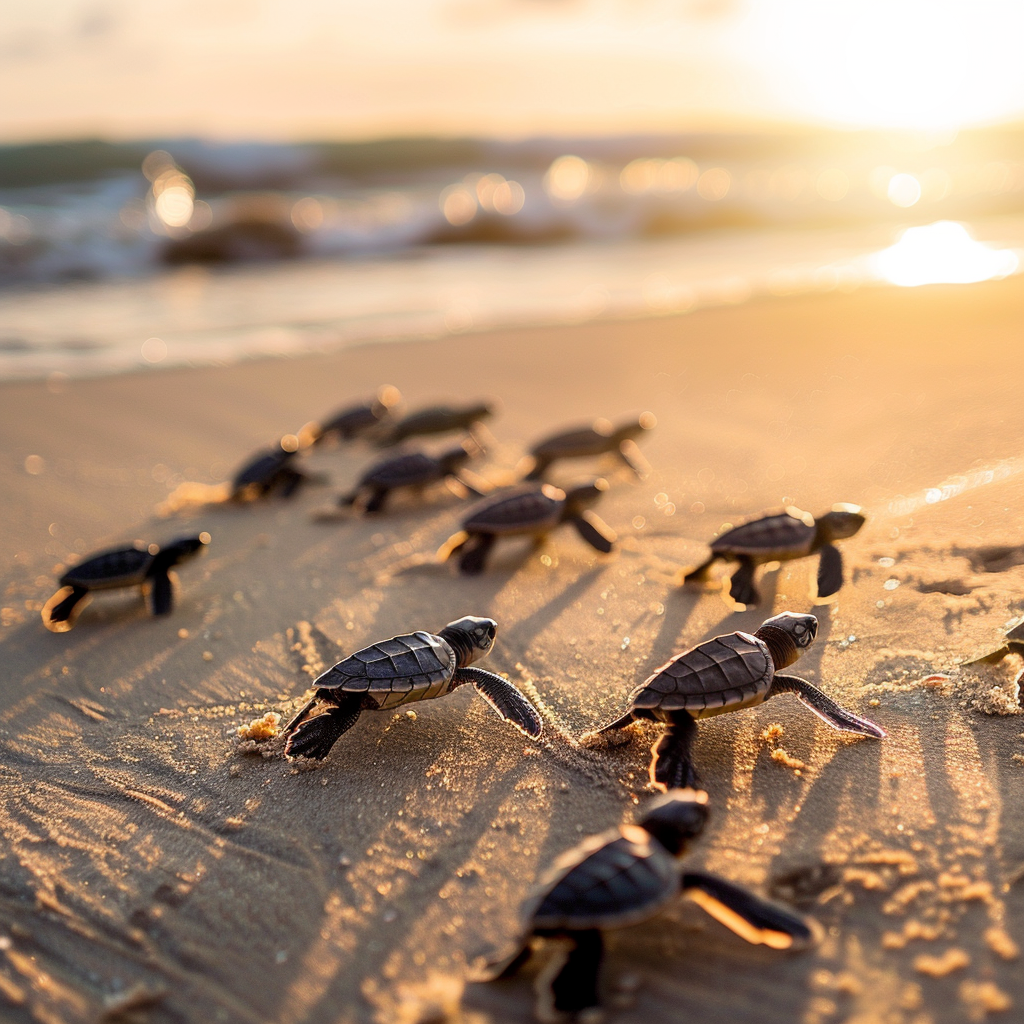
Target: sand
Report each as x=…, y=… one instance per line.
x=150, y=871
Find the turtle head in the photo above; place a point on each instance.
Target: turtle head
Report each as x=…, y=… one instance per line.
x=676, y=818
x=632, y=429
x=455, y=458
x=184, y=548
x=788, y=635
x=471, y=637
x=586, y=495
x=843, y=521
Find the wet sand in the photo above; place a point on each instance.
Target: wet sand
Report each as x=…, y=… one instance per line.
x=149, y=870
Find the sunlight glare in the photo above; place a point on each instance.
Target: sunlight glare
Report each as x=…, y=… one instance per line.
x=903, y=190
x=941, y=253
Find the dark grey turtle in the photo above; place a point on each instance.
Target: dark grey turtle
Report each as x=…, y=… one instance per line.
x=1013, y=643
x=622, y=877
x=135, y=565
x=597, y=439
x=730, y=672
x=530, y=510
x=438, y=419
x=779, y=538
x=358, y=420
x=270, y=469
x=413, y=469
x=404, y=669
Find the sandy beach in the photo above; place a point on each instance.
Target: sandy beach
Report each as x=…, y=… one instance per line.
x=151, y=872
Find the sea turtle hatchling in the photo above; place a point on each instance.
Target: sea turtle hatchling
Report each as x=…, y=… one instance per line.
x=598, y=438
x=1013, y=643
x=528, y=510
x=268, y=470
x=135, y=565
x=622, y=877
x=438, y=419
x=416, y=666
x=728, y=673
x=781, y=537
x=413, y=469
x=357, y=420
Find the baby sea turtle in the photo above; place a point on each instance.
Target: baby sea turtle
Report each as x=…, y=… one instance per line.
x=622, y=877
x=268, y=470
x=131, y=566
x=358, y=420
x=730, y=672
x=597, y=439
x=438, y=419
x=780, y=538
x=528, y=509
x=414, y=469
x=416, y=666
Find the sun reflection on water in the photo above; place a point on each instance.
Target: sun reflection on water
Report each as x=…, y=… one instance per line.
x=941, y=253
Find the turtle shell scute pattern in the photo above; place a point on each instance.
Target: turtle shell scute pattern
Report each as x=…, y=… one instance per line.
x=118, y=567
x=416, y=666
x=609, y=880
x=724, y=673
x=414, y=468
x=769, y=537
x=524, y=509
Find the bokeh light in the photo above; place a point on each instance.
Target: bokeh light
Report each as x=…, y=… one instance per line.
x=903, y=190
x=567, y=179
x=942, y=253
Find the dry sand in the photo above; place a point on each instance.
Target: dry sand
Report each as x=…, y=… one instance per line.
x=150, y=872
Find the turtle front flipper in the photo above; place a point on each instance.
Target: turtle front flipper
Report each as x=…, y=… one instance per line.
x=161, y=593
x=830, y=571
x=474, y=553
x=291, y=481
x=568, y=985
x=377, y=500
x=315, y=736
x=825, y=707
x=61, y=611
x=750, y=917
x=509, y=703
x=700, y=574
x=539, y=468
x=507, y=965
x=672, y=766
x=742, y=589
x=595, y=531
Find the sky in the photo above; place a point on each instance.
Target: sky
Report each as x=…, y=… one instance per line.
x=349, y=69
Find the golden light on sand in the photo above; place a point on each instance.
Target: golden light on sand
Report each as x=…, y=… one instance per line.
x=942, y=253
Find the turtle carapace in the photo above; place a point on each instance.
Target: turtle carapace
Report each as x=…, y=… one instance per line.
x=598, y=438
x=130, y=566
x=402, y=670
x=782, y=537
x=268, y=470
x=728, y=673
x=438, y=419
x=413, y=469
x=622, y=877
x=359, y=420
x=528, y=510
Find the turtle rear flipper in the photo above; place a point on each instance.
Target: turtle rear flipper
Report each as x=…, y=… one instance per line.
x=568, y=984
x=672, y=766
x=750, y=917
x=161, y=593
x=742, y=589
x=830, y=571
x=700, y=574
x=315, y=737
x=825, y=707
x=506, y=700
x=61, y=611
x=593, y=529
